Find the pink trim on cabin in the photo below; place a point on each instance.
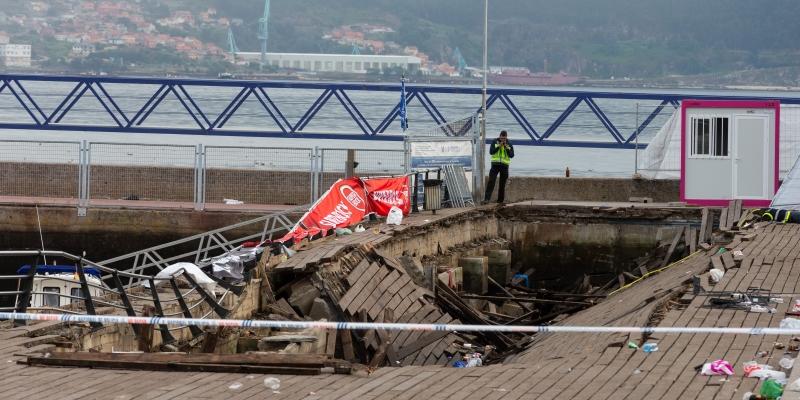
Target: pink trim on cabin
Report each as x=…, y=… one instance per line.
x=691, y=103
x=725, y=203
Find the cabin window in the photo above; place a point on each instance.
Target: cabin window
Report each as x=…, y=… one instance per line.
x=75, y=292
x=709, y=137
x=51, y=298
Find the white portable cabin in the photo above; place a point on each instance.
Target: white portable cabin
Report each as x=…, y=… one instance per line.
x=729, y=151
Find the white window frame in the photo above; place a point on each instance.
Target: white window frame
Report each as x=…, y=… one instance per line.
x=712, y=139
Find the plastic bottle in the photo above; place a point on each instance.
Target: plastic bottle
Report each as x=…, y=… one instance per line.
x=650, y=347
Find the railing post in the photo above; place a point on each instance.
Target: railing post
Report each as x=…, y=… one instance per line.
x=24, y=300
x=166, y=337
x=315, y=174
x=87, y=295
x=196, y=331
x=208, y=297
x=199, y=177
x=83, y=177
x=125, y=301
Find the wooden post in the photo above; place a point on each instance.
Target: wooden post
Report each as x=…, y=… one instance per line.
x=146, y=331
x=350, y=164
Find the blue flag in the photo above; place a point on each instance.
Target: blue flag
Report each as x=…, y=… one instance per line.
x=403, y=111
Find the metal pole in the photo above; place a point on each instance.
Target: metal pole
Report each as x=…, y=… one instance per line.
x=636, y=153
x=482, y=142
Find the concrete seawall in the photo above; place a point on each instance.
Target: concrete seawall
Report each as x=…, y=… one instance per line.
x=281, y=187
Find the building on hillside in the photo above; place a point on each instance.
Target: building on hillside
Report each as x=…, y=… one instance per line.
x=348, y=63
x=15, y=55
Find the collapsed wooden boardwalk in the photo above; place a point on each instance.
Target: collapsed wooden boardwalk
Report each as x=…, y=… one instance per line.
x=575, y=366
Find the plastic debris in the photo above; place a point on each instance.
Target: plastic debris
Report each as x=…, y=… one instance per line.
x=771, y=389
x=794, y=386
x=632, y=345
x=272, y=383
x=786, y=362
x=778, y=376
x=650, y=347
x=790, y=323
x=776, y=300
x=395, y=216
x=716, y=275
x=761, y=309
x=360, y=228
x=795, y=309
x=343, y=232
x=232, y=202
x=235, y=386
x=637, y=371
x=459, y=364
x=473, y=360
x=718, y=367
x=779, y=345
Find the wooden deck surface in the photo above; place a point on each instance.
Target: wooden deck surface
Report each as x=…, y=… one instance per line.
x=555, y=366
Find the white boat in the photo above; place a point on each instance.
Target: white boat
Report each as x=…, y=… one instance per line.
x=57, y=286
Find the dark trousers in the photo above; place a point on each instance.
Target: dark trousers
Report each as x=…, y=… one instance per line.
x=501, y=169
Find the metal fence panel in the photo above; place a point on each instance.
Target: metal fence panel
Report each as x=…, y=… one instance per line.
x=153, y=172
x=258, y=175
x=40, y=169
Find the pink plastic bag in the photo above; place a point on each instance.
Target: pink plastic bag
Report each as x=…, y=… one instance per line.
x=719, y=367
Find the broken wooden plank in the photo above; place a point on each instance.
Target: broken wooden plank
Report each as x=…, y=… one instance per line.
x=420, y=343
x=727, y=260
x=346, y=338
x=737, y=213
x=173, y=366
x=716, y=262
x=355, y=290
x=330, y=344
x=723, y=220
x=704, y=221
x=692, y=240
x=672, y=247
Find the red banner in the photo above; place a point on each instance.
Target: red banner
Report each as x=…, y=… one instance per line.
x=385, y=193
x=347, y=203
x=343, y=205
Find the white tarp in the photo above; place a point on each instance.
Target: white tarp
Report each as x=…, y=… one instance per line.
x=788, y=196
x=197, y=274
x=662, y=157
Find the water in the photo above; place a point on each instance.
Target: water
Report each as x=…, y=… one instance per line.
x=582, y=125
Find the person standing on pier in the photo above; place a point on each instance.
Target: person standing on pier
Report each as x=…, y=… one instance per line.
x=502, y=152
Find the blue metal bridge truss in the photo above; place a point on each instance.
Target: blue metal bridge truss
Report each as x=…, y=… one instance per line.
x=209, y=124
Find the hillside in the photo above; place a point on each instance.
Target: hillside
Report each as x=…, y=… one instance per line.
x=636, y=38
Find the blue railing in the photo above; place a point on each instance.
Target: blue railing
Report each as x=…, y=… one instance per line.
x=140, y=105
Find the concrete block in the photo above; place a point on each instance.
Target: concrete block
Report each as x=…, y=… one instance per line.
x=499, y=265
x=476, y=274
x=303, y=295
x=320, y=309
x=512, y=309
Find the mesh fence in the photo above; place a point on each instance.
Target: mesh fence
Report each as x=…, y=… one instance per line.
x=142, y=172
x=258, y=175
x=39, y=169
x=371, y=162
x=465, y=126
